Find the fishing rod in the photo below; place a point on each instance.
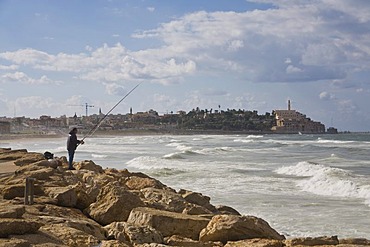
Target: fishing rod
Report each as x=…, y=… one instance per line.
x=95, y=128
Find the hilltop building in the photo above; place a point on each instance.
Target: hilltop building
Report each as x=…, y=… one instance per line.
x=292, y=121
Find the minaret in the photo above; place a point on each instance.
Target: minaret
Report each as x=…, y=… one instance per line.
x=289, y=105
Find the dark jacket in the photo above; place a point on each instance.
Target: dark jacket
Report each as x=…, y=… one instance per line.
x=72, y=141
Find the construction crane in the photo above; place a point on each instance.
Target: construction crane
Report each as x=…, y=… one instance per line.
x=86, y=105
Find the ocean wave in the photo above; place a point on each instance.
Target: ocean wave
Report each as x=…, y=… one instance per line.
x=327, y=181
x=174, y=156
x=99, y=156
x=319, y=140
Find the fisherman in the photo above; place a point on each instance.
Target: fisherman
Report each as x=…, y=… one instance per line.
x=72, y=144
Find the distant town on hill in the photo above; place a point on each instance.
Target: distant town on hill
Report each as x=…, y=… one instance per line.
x=196, y=121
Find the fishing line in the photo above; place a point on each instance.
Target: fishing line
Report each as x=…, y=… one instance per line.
x=95, y=128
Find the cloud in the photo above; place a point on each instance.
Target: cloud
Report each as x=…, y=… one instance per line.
x=326, y=96
x=151, y=9
x=115, y=89
x=299, y=41
x=9, y=67
x=25, y=79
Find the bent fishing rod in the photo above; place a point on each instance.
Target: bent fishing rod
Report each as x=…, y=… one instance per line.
x=95, y=128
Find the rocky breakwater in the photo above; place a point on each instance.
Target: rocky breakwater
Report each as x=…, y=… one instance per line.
x=92, y=206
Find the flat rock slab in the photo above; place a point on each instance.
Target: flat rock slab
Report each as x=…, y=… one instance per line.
x=169, y=223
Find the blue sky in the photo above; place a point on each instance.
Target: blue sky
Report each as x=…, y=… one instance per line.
x=239, y=54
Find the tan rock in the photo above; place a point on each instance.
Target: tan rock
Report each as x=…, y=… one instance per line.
x=138, y=183
x=66, y=196
x=169, y=223
x=8, y=154
x=176, y=240
x=164, y=199
x=256, y=243
x=135, y=234
x=233, y=228
x=39, y=239
x=114, y=203
x=29, y=158
x=17, y=226
x=114, y=243
x=70, y=236
x=227, y=210
x=198, y=199
x=9, y=210
x=12, y=191
x=88, y=165
x=355, y=241
x=194, y=209
x=312, y=241
x=53, y=163
x=37, y=173
x=14, y=242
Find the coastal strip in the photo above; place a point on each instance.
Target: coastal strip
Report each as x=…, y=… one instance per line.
x=92, y=206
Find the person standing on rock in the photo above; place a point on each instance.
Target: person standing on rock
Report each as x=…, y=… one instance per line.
x=72, y=143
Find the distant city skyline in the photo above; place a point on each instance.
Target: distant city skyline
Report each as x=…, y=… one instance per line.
x=240, y=54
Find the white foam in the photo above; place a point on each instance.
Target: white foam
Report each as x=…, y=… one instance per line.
x=327, y=181
x=99, y=156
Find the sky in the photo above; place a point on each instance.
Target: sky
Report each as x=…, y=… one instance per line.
x=58, y=56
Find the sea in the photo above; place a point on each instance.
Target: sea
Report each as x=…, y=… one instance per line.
x=302, y=185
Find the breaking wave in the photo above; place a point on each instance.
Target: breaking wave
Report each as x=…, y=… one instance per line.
x=327, y=181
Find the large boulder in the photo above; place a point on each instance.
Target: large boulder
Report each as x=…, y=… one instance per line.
x=198, y=199
x=169, y=223
x=138, y=183
x=114, y=203
x=89, y=165
x=233, y=228
x=164, y=199
x=17, y=226
x=134, y=234
x=66, y=196
x=70, y=236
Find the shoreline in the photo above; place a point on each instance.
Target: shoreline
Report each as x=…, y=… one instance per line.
x=142, y=132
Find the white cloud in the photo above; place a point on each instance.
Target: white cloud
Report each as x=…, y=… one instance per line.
x=298, y=41
x=326, y=96
x=9, y=67
x=25, y=79
x=114, y=89
x=151, y=9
